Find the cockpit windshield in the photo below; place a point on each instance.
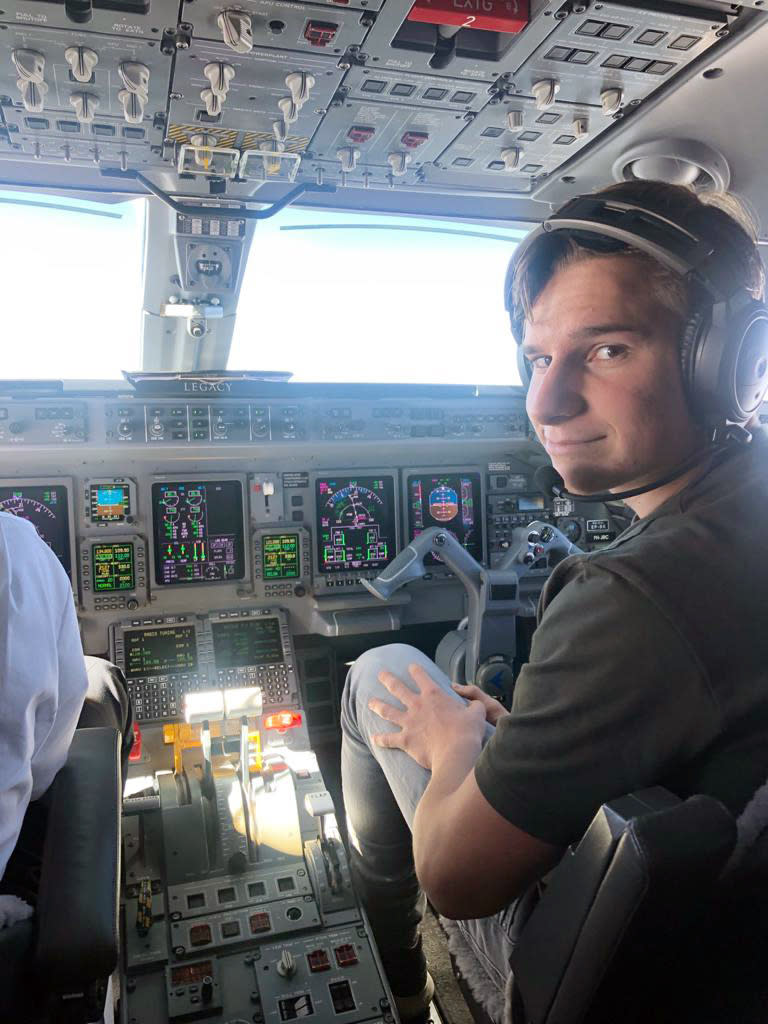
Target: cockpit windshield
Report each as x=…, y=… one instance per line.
x=326, y=296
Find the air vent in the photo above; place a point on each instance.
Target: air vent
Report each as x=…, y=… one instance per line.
x=677, y=161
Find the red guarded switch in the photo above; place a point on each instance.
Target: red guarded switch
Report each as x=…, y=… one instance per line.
x=318, y=960
x=412, y=140
x=491, y=15
x=135, y=754
x=346, y=955
x=320, y=33
x=360, y=133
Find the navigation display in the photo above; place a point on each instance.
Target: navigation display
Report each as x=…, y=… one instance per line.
x=113, y=567
x=199, y=536
x=46, y=507
x=280, y=556
x=448, y=500
x=356, y=522
x=247, y=642
x=109, y=502
x=155, y=652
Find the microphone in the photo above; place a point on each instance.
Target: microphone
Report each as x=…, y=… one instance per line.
x=551, y=484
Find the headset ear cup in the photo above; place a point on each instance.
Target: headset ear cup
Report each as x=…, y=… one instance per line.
x=688, y=345
x=524, y=368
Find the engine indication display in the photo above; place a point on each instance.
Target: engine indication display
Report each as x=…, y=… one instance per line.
x=199, y=535
x=238, y=643
x=356, y=523
x=46, y=506
x=113, y=567
x=154, y=652
x=450, y=500
x=280, y=556
x=109, y=503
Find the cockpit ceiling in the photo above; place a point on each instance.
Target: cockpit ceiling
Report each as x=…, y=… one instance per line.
x=419, y=101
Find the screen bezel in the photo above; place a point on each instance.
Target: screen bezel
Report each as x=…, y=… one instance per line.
x=111, y=542
x=55, y=481
x=128, y=629
x=480, y=470
x=202, y=478
x=319, y=577
x=100, y=481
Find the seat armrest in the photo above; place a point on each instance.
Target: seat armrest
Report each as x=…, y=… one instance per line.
x=78, y=901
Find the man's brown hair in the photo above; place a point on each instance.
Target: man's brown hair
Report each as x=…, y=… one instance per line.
x=717, y=217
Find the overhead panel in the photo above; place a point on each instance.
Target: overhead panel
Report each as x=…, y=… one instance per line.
x=76, y=95
x=512, y=142
x=367, y=83
x=379, y=142
x=615, y=55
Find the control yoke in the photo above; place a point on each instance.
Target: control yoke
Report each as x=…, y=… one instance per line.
x=482, y=651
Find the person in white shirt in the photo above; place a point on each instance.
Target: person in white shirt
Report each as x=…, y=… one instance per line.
x=43, y=684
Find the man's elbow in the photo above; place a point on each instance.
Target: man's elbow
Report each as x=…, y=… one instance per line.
x=463, y=898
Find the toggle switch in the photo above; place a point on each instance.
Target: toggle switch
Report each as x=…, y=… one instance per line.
x=82, y=60
x=360, y=133
x=611, y=100
x=85, y=104
x=514, y=120
x=320, y=33
x=280, y=130
x=580, y=127
x=29, y=64
x=203, y=141
x=236, y=30
x=398, y=163
x=300, y=83
x=220, y=76
x=133, y=106
x=135, y=77
x=32, y=95
x=348, y=156
x=289, y=109
x=511, y=158
x=213, y=104
x=544, y=92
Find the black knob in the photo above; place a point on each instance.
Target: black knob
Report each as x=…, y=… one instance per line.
x=16, y=428
x=132, y=603
x=79, y=11
x=299, y=590
x=237, y=863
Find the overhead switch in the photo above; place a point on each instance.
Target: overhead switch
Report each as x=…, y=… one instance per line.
x=82, y=60
x=289, y=110
x=398, y=163
x=29, y=64
x=236, y=29
x=514, y=120
x=135, y=77
x=133, y=106
x=280, y=130
x=32, y=95
x=544, y=92
x=360, y=133
x=611, y=100
x=203, y=143
x=85, y=105
x=300, y=83
x=320, y=33
x=412, y=140
x=213, y=104
x=348, y=156
x=580, y=127
x=511, y=158
x=220, y=75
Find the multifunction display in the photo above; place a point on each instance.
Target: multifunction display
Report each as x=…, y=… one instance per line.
x=241, y=642
x=450, y=501
x=280, y=556
x=356, y=522
x=113, y=567
x=159, y=651
x=199, y=536
x=109, y=503
x=46, y=507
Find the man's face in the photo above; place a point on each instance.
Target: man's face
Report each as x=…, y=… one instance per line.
x=606, y=396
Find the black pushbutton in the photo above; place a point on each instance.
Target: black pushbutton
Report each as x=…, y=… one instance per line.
x=79, y=11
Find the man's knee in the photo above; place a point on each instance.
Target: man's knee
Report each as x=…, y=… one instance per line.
x=363, y=678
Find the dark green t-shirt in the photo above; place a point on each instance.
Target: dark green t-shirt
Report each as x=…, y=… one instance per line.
x=649, y=665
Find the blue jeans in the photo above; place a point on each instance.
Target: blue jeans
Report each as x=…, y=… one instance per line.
x=382, y=787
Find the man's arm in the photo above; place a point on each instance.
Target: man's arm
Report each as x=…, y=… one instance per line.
x=612, y=700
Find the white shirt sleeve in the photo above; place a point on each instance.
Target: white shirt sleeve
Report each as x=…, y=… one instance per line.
x=42, y=673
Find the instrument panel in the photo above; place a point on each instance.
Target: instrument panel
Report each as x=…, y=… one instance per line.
x=160, y=530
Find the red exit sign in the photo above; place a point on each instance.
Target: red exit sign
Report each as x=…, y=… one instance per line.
x=491, y=15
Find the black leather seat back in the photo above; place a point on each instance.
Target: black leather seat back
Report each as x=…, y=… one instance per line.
x=617, y=907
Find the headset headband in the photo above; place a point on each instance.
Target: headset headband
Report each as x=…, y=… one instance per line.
x=632, y=225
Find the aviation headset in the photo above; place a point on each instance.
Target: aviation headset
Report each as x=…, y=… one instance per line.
x=724, y=344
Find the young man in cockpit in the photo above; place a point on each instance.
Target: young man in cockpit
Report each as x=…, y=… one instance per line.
x=648, y=663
